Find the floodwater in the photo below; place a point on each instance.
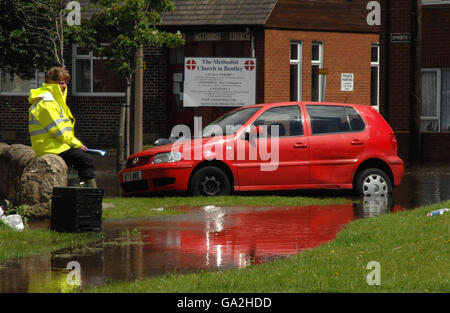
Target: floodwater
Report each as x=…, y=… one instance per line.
x=212, y=237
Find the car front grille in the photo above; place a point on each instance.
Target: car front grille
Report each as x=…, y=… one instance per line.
x=142, y=160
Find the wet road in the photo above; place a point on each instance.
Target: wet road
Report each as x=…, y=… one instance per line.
x=213, y=237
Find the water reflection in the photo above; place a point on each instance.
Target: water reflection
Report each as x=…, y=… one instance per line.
x=211, y=237
x=208, y=237
x=422, y=186
x=376, y=205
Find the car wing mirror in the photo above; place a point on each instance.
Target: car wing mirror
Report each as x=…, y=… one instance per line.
x=254, y=132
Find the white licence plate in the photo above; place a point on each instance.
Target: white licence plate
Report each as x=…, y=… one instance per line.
x=131, y=176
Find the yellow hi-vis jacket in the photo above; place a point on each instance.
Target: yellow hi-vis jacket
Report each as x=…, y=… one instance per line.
x=50, y=123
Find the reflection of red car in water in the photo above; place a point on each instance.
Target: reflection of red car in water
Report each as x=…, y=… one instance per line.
x=238, y=237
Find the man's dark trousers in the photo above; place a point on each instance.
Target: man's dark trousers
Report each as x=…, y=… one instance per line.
x=81, y=161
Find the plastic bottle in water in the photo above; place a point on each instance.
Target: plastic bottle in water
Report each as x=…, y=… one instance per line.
x=438, y=212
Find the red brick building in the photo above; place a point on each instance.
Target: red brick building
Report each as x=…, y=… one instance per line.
x=291, y=41
x=303, y=50
x=415, y=76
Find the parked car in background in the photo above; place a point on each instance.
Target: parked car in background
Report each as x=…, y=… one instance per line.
x=277, y=146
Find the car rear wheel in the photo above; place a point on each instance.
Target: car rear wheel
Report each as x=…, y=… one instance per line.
x=373, y=182
x=210, y=181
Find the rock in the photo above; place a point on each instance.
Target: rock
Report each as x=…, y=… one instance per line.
x=14, y=159
x=37, y=182
x=27, y=180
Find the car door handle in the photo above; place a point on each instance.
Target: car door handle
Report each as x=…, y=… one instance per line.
x=357, y=142
x=300, y=145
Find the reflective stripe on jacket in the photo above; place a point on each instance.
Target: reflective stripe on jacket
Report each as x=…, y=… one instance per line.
x=50, y=123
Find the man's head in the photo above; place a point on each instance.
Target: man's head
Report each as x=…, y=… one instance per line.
x=58, y=75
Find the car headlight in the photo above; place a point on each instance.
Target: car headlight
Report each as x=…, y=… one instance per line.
x=166, y=157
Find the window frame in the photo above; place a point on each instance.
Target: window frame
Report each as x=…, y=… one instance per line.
x=299, y=64
x=435, y=2
x=25, y=93
x=377, y=65
x=91, y=58
x=320, y=63
x=438, y=99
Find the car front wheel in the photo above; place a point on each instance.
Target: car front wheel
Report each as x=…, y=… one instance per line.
x=373, y=182
x=210, y=181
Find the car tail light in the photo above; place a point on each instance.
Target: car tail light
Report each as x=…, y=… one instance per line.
x=394, y=142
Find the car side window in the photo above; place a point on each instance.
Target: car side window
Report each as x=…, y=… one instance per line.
x=327, y=119
x=355, y=120
x=285, y=121
x=334, y=119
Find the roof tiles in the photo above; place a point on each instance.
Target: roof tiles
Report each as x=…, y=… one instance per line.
x=219, y=12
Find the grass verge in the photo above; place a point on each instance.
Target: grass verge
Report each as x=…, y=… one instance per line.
x=30, y=242
x=146, y=207
x=411, y=249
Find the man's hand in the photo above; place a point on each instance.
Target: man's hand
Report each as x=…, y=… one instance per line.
x=83, y=148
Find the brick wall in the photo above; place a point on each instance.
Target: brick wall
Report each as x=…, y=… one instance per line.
x=436, y=36
x=14, y=120
x=343, y=53
x=396, y=74
x=155, y=94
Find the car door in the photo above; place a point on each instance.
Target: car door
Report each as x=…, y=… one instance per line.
x=338, y=139
x=278, y=156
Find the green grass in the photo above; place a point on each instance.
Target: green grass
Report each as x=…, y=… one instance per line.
x=146, y=207
x=411, y=248
x=30, y=242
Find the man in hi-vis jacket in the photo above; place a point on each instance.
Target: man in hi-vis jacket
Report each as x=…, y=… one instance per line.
x=51, y=125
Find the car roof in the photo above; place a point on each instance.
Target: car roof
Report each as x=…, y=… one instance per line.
x=274, y=104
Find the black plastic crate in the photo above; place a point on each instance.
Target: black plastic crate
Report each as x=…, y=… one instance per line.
x=76, y=209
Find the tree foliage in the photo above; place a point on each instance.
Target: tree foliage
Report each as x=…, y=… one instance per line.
x=118, y=28
x=32, y=35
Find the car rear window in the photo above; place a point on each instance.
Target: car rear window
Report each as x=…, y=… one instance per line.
x=326, y=119
x=355, y=120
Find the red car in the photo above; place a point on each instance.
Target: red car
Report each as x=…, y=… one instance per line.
x=278, y=146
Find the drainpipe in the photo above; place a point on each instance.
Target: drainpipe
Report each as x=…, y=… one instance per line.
x=414, y=94
x=252, y=41
x=387, y=47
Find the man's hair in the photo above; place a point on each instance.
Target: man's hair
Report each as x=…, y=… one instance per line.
x=57, y=74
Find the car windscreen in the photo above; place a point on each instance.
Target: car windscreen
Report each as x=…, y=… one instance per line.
x=229, y=123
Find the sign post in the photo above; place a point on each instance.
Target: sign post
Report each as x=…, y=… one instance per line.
x=324, y=73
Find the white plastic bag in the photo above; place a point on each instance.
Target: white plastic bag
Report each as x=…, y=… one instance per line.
x=14, y=221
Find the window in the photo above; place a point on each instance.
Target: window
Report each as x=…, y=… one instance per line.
x=430, y=2
x=281, y=121
x=355, y=120
x=296, y=71
x=334, y=119
x=435, y=100
x=91, y=75
x=375, y=76
x=317, y=63
x=17, y=86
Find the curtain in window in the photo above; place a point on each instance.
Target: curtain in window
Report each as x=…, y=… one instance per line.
x=429, y=101
x=445, y=100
